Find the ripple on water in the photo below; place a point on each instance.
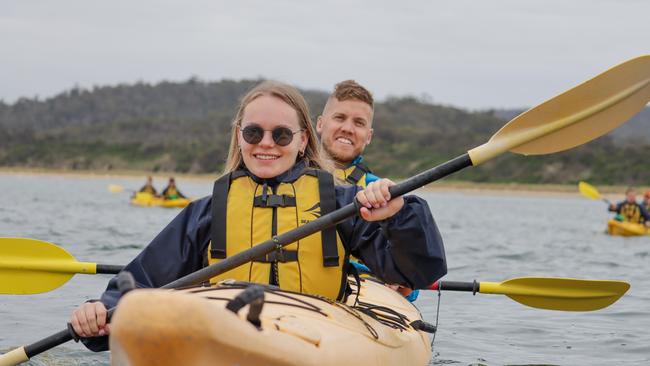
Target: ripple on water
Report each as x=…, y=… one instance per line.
x=642, y=254
x=64, y=356
x=516, y=256
x=630, y=314
x=438, y=361
x=604, y=264
x=110, y=248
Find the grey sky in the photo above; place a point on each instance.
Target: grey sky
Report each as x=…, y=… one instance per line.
x=474, y=54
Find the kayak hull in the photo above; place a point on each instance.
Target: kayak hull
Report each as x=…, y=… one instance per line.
x=618, y=228
x=147, y=200
x=193, y=327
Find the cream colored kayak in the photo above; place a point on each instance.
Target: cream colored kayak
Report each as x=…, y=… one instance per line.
x=622, y=228
x=193, y=327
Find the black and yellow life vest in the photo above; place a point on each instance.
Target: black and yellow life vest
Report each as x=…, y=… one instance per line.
x=631, y=212
x=354, y=174
x=246, y=213
x=171, y=193
x=148, y=189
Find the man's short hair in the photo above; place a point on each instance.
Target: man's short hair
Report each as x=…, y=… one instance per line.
x=350, y=89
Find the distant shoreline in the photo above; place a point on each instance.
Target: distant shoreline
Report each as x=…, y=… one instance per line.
x=105, y=173
x=610, y=192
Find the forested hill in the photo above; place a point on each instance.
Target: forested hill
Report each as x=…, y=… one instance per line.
x=185, y=126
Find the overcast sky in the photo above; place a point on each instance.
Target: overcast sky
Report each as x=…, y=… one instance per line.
x=472, y=54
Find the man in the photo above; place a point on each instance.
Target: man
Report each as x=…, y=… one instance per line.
x=630, y=210
x=345, y=129
x=171, y=192
x=148, y=187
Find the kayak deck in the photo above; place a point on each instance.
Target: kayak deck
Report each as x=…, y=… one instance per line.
x=147, y=199
x=193, y=327
x=622, y=228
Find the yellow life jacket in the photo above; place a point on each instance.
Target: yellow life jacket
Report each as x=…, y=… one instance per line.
x=354, y=174
x=246, y=213
x=148, y=189
x=171, y=193
x=631, y=212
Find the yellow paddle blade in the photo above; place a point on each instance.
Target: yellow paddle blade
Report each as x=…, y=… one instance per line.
x=589, y=191
x=114, y=188
x=29, y=266
x=576, y=116
x=567, y=294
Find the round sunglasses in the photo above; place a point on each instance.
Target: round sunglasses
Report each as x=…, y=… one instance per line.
x=282, y=136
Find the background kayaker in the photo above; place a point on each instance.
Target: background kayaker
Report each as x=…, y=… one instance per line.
x=171, y=192
x=345, y=129
x=630, y=210
x=148, y=187
x=646, y=200
x=274, y=149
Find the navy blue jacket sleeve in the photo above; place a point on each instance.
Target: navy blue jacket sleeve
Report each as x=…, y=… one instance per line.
x=616, y=209
x=406, y=249
x=644, y=213
x=173, y=253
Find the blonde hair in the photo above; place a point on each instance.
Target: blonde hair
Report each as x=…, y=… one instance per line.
x=312, y=156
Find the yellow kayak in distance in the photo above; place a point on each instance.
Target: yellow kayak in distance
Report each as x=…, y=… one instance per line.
x=198, y=326
x=147, y=199
x=624, y=228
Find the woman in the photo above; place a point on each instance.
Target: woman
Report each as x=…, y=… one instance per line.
x=273, y=181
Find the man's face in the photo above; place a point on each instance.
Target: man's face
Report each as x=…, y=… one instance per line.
x=631, y=196
x=345, y=128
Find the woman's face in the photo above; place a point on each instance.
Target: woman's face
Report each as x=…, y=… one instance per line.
x=267, y=159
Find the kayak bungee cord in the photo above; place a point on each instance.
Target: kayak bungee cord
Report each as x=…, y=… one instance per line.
x=227, y=285
x=383, y=315
x=433, y=339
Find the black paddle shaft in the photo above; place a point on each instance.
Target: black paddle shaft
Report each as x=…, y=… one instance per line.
x=109, y=268
x=472, y=287
x=323, y=222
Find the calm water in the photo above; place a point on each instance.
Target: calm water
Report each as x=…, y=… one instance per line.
x=487, y=237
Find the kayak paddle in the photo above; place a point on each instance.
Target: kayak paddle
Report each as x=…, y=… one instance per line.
x=30, y=266
x=565, y=294
x=570, y=119
x=116, y=188
x=591, y=192
x=39, y=266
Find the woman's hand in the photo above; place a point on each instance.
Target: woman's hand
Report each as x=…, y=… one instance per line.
x=376, y=202
x=89, y=320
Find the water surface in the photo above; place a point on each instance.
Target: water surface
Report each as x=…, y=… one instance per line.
x=488, y=237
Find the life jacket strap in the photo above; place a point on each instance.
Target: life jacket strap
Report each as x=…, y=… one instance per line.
x=282, y=256
x=357, y=173
x=275, y=200
x=327, y=205
x=219, y=197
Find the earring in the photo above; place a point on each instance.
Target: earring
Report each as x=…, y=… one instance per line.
x=301, y=153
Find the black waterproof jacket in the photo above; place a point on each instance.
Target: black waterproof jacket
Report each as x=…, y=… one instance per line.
x=405, y=249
